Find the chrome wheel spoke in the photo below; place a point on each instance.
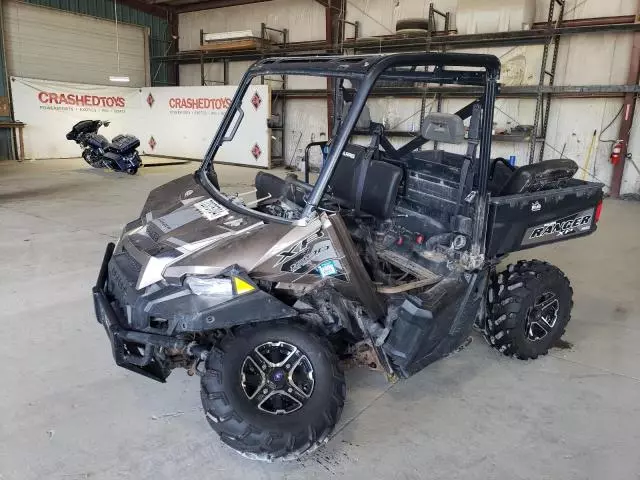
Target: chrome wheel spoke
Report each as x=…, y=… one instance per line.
x=546, y=302
x=273, y=403
x=301, y=379
x=251, y=368
x=258, y=359
x=292, y=360
x=538, y=327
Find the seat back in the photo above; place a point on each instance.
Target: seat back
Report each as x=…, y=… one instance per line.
x=540, y=176
x=443, y=127
x=381, y=182
x=500, y=173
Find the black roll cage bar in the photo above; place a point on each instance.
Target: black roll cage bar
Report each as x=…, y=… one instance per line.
x=367, y=70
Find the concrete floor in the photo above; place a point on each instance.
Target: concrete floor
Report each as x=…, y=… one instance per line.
x=69, y=413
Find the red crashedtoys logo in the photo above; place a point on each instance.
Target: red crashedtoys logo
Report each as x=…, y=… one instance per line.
x=53, y=98
x=201, y=103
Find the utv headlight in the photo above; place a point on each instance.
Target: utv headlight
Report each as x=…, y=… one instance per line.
x=218, y=286
x=210, y=286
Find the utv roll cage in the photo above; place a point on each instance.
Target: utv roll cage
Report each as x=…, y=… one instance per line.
x=364, y=71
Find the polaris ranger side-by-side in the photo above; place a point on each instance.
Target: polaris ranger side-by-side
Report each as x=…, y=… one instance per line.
x=388, y=259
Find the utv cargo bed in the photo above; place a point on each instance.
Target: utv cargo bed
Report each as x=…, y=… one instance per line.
x=518, y=222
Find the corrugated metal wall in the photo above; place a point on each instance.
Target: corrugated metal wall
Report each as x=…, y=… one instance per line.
x=159, y=31
x=51, y=44
x=5, y=134
x=159, y=41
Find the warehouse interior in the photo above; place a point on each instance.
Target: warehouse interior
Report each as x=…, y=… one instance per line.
x=163, y=73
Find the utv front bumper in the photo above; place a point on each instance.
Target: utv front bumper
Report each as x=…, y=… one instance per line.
x=135, y=351
x=144, y=327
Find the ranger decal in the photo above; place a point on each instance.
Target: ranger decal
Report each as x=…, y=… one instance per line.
x=567, y=226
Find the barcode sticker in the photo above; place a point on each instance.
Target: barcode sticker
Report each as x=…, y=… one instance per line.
x=210, y=209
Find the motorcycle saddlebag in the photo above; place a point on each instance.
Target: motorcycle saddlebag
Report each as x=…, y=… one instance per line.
x=95, y=140
x=124, y=143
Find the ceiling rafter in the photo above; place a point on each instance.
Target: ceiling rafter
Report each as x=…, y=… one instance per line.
x=148, y=7
x=161, y=7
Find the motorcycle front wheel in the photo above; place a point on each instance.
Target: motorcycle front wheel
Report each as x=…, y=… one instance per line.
x=86, y=156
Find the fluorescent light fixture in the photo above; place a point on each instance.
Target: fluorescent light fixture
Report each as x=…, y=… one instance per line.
x=119, y=78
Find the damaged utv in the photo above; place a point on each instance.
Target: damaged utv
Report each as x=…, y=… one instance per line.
x=387, y=260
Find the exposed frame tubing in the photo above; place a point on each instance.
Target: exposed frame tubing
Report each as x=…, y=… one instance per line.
x=202, y=173
x=306, y=157
x=224, y=126
x=478, y=246
x=343, y=136
x=340, y=141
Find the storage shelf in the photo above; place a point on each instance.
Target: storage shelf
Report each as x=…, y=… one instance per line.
x=575, y=91
x=388, y=43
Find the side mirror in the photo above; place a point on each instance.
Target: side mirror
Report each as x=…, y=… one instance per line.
x=106, y=123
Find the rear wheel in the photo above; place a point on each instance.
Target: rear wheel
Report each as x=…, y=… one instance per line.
x=273, y=391
x=529, y=307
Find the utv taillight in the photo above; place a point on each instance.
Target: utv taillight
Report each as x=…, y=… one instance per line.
x=596, y=217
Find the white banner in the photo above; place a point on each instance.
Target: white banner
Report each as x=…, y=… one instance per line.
x=181, y=122
x=170, y=121
x=49, y=110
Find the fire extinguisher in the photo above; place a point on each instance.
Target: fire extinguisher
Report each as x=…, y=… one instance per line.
x=616, y=152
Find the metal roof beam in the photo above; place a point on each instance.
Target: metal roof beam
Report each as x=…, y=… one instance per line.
x=155, y=10
x=211, y=4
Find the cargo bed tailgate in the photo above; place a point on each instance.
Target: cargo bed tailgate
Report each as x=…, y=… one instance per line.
x=521, y=221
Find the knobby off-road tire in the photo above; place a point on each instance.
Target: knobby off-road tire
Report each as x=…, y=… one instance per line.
x=241, y=421
x=529, y=307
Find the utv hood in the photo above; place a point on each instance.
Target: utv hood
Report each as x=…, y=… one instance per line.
x=182, y=230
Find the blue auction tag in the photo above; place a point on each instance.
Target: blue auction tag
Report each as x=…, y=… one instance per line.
x=327, y=268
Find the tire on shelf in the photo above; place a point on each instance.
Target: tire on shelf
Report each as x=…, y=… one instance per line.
x=250, y=399
x=412, y=24
x=529, y=307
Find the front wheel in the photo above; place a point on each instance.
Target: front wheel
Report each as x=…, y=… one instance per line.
x=529, y=307
x=273, y=391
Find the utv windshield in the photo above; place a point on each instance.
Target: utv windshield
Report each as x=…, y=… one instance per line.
x=384, y=107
